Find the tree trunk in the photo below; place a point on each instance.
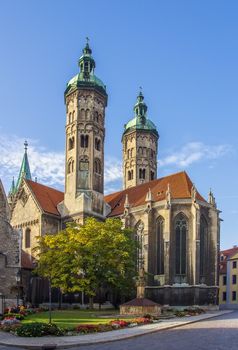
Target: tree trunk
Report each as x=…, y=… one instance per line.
x=91, y=302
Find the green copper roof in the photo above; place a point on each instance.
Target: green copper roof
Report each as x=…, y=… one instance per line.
x=86, y=76
x=25, y=169
x=13, y=188
x=140, y=120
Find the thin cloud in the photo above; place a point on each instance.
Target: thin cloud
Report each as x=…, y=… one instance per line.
x=194, y=152
x=48, y=167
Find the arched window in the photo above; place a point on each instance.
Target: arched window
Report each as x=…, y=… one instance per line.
x=160, y=245
x=69, y=166
x=96, y=116
x=84, y=141
x=71, y=143
x=128, y=153
x=87, y=114
x=27, y=238
x=82, y=114
x=70, y=117
x=97, y=166
x=203, y=245
x=181, y=228
x=72, y=166
x=97, y=144
x=129, y=175
x=73, y=116
x=139, y=236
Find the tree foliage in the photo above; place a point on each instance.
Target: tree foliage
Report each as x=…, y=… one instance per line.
x=88, y=257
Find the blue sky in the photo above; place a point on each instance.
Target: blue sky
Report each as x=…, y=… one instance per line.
x=183, y=53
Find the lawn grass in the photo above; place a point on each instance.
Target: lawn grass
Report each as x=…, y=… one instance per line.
x=71, y=318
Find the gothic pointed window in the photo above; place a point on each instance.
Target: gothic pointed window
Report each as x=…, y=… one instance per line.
x=203, y=246
x=139, y=236
x=84, y=141
x=97, y=167
x=27, y=238
x=160, y=245
x=181, y=228
x=71, y=143
x=97, y=144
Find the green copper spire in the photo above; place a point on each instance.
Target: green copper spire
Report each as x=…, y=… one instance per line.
x=140, y=120
x=25, y=168
x=86, y=77
x=13, y=188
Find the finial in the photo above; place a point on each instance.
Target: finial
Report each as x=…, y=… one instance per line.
x=87, y=39
x=25, y=146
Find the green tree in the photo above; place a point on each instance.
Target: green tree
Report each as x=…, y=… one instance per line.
x=89, y=257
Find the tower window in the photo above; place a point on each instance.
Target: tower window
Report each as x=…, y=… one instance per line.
x=128, y=153
x=70, y=117
x=130, y=175
x=96, y=117
x=97, y=144
x=27, y=238
x=70, y=167
x=84, y=141
x=142, y=174
x=71, y=143
x=87, y=114
x=97, y=167
x=152, y=175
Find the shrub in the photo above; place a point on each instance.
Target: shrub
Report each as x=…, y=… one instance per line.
x=119, y=323
x=38, y=329
x=142, y=320
x=87, y=328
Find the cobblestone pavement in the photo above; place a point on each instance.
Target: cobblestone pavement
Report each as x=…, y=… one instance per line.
x=215, y=334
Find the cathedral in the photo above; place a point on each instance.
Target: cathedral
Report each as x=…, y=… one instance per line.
x=178, y=229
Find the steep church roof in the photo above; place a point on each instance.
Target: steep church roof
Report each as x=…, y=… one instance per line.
x=24, y=171
x=47, y=197
x=180, y=188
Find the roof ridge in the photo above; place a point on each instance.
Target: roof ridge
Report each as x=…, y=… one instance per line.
x=38, y=183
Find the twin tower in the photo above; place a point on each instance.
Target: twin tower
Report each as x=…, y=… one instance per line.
x=86, y=100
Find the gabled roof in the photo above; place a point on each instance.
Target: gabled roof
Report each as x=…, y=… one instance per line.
x=47, y=197
x=180, y=188
x=226, y=255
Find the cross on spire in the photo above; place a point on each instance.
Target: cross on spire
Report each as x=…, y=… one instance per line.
x=25, y=145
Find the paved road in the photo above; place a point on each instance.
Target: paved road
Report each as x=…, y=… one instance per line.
x=215, y=334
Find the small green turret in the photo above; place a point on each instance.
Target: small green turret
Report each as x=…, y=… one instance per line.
x=140, y=120
x=86, y=77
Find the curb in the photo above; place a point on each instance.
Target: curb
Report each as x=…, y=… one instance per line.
x=100, y=341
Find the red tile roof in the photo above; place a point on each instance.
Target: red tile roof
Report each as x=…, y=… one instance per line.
x=180, y=187
x=47, y=197
x=226, y=254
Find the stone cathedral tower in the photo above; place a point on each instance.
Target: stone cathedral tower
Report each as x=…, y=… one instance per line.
x=140, y=145
x=85, y=99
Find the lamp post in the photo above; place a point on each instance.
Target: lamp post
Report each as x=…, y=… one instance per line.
x=18, y=280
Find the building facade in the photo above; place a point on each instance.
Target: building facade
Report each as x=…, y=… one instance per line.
x=178, y=230
x=228, y=279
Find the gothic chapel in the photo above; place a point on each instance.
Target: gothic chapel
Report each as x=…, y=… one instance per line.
x=179, y=230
